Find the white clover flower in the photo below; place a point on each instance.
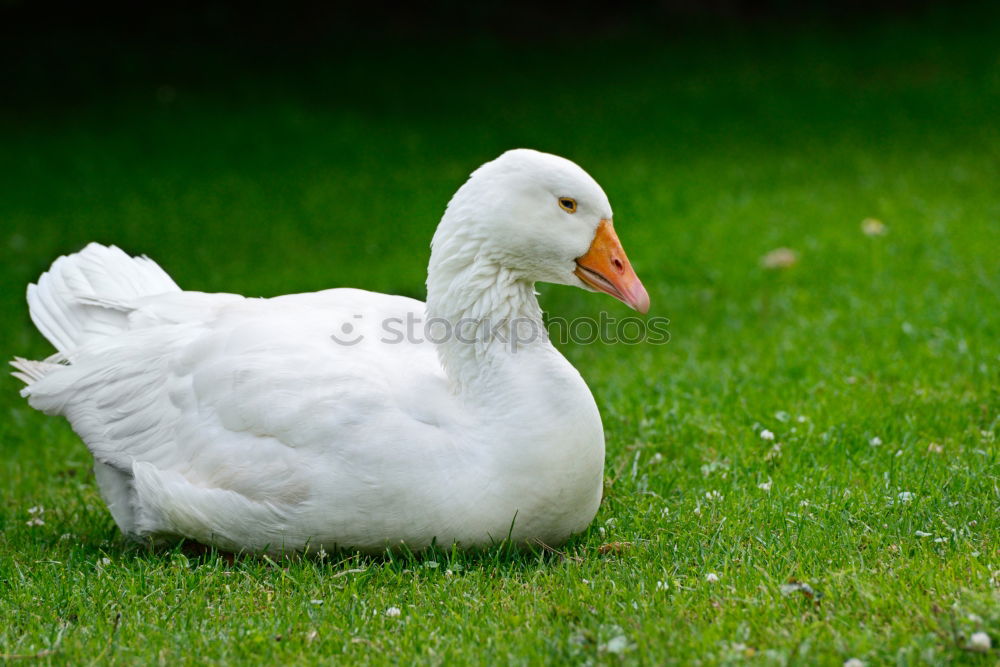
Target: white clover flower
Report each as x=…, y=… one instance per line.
x=711, y=577
x=873, y=227
x=875, y=442
x=854, y=662
x=765, y=486
x=780, y=258
x=105, y=561
x=393, y=612
x=802, y=419
x=980, y=642
x=36, y=513
x=616, y=645
x=766, y=435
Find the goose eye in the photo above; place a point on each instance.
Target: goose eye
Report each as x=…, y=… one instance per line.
x=567, y=204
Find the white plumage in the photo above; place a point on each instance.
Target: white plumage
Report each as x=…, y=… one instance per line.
x=242, y=423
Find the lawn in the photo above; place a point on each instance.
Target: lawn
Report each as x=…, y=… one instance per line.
x=872, y=360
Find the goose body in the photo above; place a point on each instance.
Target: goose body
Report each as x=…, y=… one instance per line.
x=319, y=420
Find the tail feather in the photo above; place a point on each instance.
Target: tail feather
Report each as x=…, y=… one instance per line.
x=88, y=295
x=29, y=371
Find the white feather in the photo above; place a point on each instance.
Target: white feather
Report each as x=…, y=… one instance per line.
x=88, y=294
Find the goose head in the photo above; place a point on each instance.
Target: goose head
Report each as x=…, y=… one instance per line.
x=544, y=219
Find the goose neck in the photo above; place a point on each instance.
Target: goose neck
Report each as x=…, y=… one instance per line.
x=480, y=316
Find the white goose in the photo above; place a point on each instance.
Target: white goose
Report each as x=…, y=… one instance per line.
x=303, y=421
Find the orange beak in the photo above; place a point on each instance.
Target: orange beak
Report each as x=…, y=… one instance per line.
x=605, y=268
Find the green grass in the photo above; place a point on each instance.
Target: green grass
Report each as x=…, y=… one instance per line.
x=713, y=152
